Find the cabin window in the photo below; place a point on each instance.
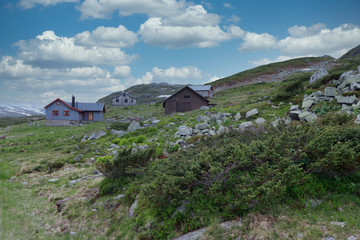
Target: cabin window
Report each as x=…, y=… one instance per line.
x=126, y=100
x=117, y=100
x=132, y=101
x=186, y=96
x=55, y=112
x=58, y=102
x=124, y=95
x=66, y=113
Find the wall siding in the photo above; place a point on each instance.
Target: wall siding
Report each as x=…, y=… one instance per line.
x=74, y=115
x=122, y=101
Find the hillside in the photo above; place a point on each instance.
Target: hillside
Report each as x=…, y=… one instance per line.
x=289, y=170
x=278, y=71
x=145, y=93
x=351, y=54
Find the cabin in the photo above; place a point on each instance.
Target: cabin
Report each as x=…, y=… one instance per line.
x=61, y=113
x=204, y=90
x=184, y=100
x=123, y=99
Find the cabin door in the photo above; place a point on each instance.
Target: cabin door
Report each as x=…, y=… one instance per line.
x=91, y=116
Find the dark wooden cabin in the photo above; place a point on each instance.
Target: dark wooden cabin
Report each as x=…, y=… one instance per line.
x=184, y=100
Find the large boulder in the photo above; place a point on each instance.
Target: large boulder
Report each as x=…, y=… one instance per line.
x=251, y=113
x=96, y=136
x=306, y=104
x=260, y=121
x=184, y=131
x=346, y=75
x=202, y=126
x=238, y=116
x=245, y=125
x=319, y=74
x=294, y=115
x=202, y=118
x=134, y=125
x=331, y=92
x=119, y=133
x=346, y=100
x=349, y=80
x=307, y=116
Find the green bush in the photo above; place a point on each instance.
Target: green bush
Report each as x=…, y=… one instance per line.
x=119, y=126
x=140, y=139
x=127, y=163
x=112, y=186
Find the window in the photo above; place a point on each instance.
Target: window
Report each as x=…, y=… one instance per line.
x=58, y=102
x=132, y=101
x=66, y=113
x=124, y=95
x=55, y=112
x=126, y=100
x=186, y=96
x=117, y=100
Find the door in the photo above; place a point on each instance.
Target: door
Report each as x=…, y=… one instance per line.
x=91, y=116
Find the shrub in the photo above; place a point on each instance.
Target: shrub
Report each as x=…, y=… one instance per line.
x=127, y=163
x=112, y=186
x=119, y=126
x=140, y=139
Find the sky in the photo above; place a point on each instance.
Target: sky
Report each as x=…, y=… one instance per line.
x=91, y=48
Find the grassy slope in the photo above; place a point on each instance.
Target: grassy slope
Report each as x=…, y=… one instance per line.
x=28, y=211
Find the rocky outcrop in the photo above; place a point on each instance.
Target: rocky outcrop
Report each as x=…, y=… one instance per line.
x=251, y=113
x=319, y=74
x=134, y=125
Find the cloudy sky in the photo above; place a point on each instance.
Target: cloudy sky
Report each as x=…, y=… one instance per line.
x=91, y=48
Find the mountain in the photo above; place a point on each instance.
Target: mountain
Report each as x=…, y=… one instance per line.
x=278, y=71
x=146, y=93
x=21, y=110
x=353, y=53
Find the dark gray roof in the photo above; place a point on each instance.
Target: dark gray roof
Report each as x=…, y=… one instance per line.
x=122, y=94
x=94, y=107
x=200, y=87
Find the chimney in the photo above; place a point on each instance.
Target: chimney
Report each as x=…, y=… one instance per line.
x=73, y=101
x=77, y=105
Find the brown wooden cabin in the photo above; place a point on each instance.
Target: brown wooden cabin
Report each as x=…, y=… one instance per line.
x=184, y=100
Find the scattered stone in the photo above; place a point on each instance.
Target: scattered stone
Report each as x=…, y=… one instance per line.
x=245, y=125
x=307, y=116
x=294, y=115
x=84, y=138
x=294, y=107
x=357, y=120
x=204, y=108
x=300, y=235
x=184, y=131
x=352, y=238
x=119, y=133
x=181, y=142
x=53, y=180
x=331, y=92
x=225, y=129
x=24, y=183
x=155, y=121
x=252, y=113
x=132, y=209
x=12, y=179
x=328, y=238
x=202, y=118
x=120, y=196
x=195, y=235
x=306, y=104
x=260, y=121
x=346, y=100
x=230, y=224
x=212, y=132
x=92, y=160
x=83, y=179
x=319, y=74
x=134, y=125
x=72, y=233
x=238, y=116
x=314, y=203
x=114, y=146
x=96, y=136
x=346, y=75
x=340, y=224
x=115, y=153
x=78, y=158
x=202, y=126
x=358, y=69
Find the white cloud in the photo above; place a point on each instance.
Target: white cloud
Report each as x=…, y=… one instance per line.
x=256, y=42
x=213, y=79
x=110, y=37
x=49, y=50
x=121, y=71
x=228, y=5
x=31, y=3
x=171, y=75
x=104, y=9
x=302, y=31
x=234, y=19
x=154, y=32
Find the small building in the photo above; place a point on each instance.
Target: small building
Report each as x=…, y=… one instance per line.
x=61, y=113
x=123, y=99
x=184, y=100
x=204, y=90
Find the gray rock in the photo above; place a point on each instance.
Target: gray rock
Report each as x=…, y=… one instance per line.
x=53, y=180
x=260, y=121
x=181, y=142
x=307, y=116
x=184, y=131
x=92, y=159
x=294, y=115
x=238, y=116
x=349, y=80
x=346, y=100
x=78, y=158
x=328, y=238
x=245, y=125
x=230, y=224
x=12, y=179
x=294, y=107
x=346, y=75
x=195, y=235
x=134, y=125
x=212, y=132
x=132, y=209
x=204, y=108
x=222, y=130
x=331, y=92
x=357, y=120
x=352, y=238
x=251, y=113
x=120, y=196
x=115, y=153
x=202, y=126
x=306, y=104
x=300, y=236
x=340, y=224
x=96, y=136
x=155, y=121
x=84, y=138
x=202, y=118
x=319, y=74
x=354, y=86
x=358, y=69
x=114, y=146
x=119, y=133
x=70, y=183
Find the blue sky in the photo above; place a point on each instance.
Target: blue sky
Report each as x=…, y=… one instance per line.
x=91, y=48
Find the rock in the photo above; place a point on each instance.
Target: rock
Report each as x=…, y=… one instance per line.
x=155, y=121
x=306, y=104
x=346, y=75
x=95, y=172
x=60, y=204
x=252, y=113
x=184, y=131
x=358, y=69
x=294, y=115
x=115, y=153
x=132, y=209
x=202, y=126
x=349, y=80
x=224, y=129
x=300, y=236
x=314, y=203
x=181, y=142
x=78, y=158
x=218, y=116
x=328, y=238
x=2, y=136
x=352, y=238
x=195, y=235
x=294, y=107
x=53, y=180
x=96, y=136
x=12, y=179
x=340, y=224
x=180, y=209
x=92, y=160
x=202, y=118
x=319, y=74
x=357, y=120
x=120, y=196
x=84, y=138
x=212, y=132
x=119, y=133
x=134, y=125
x=1, y=160
x=115, y=146
x=204, y=108
x=354, y=86
x=331, y=92
x=346, y=100
x=307, y=116
x=260, y=121
x=238, y=116
x=230, y=224
x=245, y=125
x=83, y=179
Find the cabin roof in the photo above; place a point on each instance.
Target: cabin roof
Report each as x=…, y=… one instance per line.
x=118, y=95
x=201, y=87
x=190, y=90
x=82, y=107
